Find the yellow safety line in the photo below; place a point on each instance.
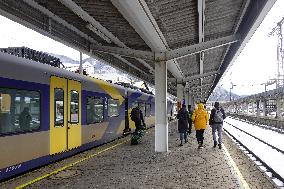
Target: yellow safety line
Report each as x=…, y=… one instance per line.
x=231, y=161
x=69, y=165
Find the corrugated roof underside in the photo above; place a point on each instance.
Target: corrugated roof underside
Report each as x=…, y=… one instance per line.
x=177, y=19
x=66, y=14
x=213, y=59
x=109, y=17
x=189, y=65
x=221, y=17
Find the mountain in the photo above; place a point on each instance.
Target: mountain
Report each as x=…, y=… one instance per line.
x=64, y=59
x=95, y=68
x=220, y=94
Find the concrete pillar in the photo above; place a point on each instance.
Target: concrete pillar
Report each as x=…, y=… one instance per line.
x=191, y=100
x=278, y=107
x=257, y=107
x=161, y=121
x=81, y=64
x=186, y=98
x=180, y=95
x=253, y=107
x=264, y=107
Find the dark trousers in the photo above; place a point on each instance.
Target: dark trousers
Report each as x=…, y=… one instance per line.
x=138, y=126
x=199, y=135
x=189, y=127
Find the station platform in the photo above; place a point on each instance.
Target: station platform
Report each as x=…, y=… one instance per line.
x=121, y=165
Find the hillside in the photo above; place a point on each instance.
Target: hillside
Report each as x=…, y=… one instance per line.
x=220, y=94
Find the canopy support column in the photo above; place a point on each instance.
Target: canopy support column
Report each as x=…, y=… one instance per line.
x=161, y=121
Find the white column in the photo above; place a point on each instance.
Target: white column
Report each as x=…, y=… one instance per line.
x=264, y=107
x=161, y=121
x=186, y=98
x=81, y=66
x=278, y=107
x=180, y=93
x=257, y=107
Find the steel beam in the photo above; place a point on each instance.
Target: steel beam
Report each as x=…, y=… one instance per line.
x=168, y=55
x=199, y=87
x=201, y=19
x=137, y=13
x=197, y=76
x=128, y=63
x=146, y=55
x=197, y=48
x=58, y=19
x=146, y=65
x=101, y=31
x=94, y=25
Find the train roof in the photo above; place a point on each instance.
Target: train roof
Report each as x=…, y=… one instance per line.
x=14, y=67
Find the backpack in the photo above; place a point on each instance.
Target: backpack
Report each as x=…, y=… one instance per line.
x=135, y=114
x=218, y=117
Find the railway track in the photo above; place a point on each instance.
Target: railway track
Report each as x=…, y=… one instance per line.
x=274, y=173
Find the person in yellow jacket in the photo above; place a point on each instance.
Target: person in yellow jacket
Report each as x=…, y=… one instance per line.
x=200, y=119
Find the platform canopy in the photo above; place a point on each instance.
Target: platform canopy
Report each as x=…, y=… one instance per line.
x=198, y=39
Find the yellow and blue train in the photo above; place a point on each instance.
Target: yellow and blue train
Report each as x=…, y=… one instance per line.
x=47, y=113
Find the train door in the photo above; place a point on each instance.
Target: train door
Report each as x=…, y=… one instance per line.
x=126, y=129
x=65, y=108
x=74, y=112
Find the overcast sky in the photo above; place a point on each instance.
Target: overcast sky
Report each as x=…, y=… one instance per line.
x=255, y=65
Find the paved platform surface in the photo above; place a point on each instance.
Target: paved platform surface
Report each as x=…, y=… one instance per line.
x=120, y=165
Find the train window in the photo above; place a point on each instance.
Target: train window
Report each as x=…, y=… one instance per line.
x=19, y=110
x=58, y=107
x=74, y=107
x=113, y=107
x=95, y=109
x=148, y=110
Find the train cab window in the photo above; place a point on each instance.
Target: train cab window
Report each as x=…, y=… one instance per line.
x=58, y=107
x=95, y=109
x=19, y=110
x=74, y=107
x=148, y=110
x=113, y=108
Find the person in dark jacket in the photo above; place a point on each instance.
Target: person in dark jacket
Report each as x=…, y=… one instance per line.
x=183, y=121
x=190, y=112
x=216, y=122
x=138, y=118
x=25, y=119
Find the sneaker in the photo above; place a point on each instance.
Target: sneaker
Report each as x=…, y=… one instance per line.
x=220, y=146
x=215, y=144
x=180, y=144
x=185, y=141
x=200, y=145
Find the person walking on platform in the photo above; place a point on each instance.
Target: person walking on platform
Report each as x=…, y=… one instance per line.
x=138, y=118
x=183, y=121
x=217, y=117
x=200, y=119
x=190, y=112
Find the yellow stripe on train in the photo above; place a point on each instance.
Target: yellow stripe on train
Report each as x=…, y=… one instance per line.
x=113, y=92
